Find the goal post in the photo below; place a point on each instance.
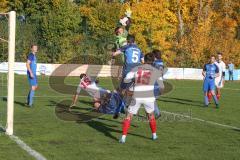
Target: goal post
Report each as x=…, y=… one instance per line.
x=11, y=61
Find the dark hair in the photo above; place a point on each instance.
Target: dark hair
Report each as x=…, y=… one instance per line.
x=82, y=75
x=219, y=53
x=131, y=38
x=149, y=58
x=212, y=55
x=33, y=45
x=157, y=53
x=117, y=30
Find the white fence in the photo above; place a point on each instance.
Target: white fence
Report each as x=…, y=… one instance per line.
x=103, y=70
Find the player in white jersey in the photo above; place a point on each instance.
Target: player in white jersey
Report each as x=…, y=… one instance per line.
x=219, y=81
x=144, y=78
x=90, y=86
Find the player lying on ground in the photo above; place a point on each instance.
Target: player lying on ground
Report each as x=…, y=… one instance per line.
x=144, y=77
x=104, y=101
x=210, y=72
x=111, y=103
x=90, y=86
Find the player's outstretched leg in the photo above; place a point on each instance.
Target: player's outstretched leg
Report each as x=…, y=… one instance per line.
x=125, y=126
x=153, y=126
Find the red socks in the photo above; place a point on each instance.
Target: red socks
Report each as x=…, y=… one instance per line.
x=209, y=96
x=153, y=124
x=125, y=126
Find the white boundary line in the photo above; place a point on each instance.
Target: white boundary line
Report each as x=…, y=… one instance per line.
x=202, y=120
x=28, y=149
x=111, y=85
x=38, y=156
x=25, y=147
x=224, y=88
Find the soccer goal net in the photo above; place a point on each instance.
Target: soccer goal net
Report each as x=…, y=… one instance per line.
x=7, y=58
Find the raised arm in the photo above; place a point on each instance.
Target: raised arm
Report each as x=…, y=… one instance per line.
x=116, y=53
x=129, y=77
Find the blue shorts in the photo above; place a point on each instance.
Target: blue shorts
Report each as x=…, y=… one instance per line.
x=32, y=81
x=208, y=85
x=125, y=85
x=125, y=71
x=156, y=92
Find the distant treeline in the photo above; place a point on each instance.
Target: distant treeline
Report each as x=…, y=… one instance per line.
x=186, y=31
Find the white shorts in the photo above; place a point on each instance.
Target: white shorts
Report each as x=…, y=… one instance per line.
x=219, y=82
x=148, y=104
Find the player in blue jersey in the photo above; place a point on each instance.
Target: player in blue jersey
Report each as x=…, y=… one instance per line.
x=104, y=101
x=133, y=57
x=112, y=103
x=210, y=72
x=32, y=74
x=158, y=63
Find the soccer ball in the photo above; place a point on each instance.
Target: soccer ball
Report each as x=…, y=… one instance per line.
x=123, y=21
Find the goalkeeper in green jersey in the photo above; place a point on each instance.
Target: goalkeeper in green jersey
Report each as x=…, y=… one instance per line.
x=122, y=30
x=121, y=33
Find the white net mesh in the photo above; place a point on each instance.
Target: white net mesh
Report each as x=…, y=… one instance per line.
x=3, y=75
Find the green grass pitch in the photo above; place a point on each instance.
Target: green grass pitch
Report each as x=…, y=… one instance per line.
x=180, y=138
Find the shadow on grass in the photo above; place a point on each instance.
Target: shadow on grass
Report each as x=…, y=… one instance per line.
x=17, y=102
x=181, y=101
x=90, y=117
x=108, y=129
x=65, y=108
x=89, y=103
x=115, y=121
x=2, y=130
x=237, y=130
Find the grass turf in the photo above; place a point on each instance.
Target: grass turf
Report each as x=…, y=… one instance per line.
x=179, y=138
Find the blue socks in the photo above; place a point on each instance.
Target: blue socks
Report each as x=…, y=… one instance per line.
x=206, y=100
x=30, y=97
x=156, y=110
x=215, y=99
